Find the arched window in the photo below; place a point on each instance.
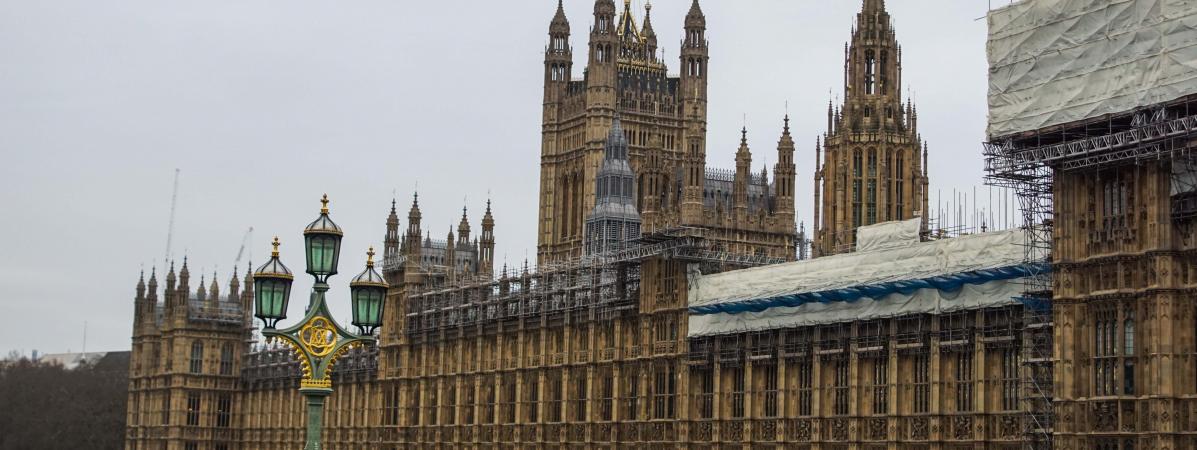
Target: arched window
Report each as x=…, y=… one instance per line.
x=870, y=73
x=197, y=357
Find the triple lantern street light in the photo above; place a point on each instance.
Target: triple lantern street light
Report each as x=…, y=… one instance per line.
x=317, y=339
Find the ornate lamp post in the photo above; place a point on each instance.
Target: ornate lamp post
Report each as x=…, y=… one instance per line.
x=317, y=339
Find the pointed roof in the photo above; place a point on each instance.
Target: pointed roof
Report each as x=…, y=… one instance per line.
x=786, y=140
x=627, y=24
x=559, y=24
x=488, y=219
x=413, y=215
x=695, y=18
x=463, y=227
x=647, y=29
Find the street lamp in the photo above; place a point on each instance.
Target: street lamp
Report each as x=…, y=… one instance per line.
x=317, y=339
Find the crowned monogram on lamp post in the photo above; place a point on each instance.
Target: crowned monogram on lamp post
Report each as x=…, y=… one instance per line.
x=317, y=339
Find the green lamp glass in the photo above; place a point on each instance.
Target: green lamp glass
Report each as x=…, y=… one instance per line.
x=272, y=290
x=322, y=239
x=368, y=291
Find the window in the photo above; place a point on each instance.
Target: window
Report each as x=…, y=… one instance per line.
x=664, y=391
x=922, y=383
x=193, y=408
x=840, y=388
x=607, y=397
x=1128, y=343
x=737, y=392
x=870, y=73
x=532, y=402
x=804, y=388
x=706, y=399
x=509, y=398
x=964, y=378
x=633, y=392
x=224, y=410
x=1009, y=379
x=770, y=390
x=580, y=396
x=197, y=357
x=390, y=406
x=191, y=445
x=880, y=387
x=1105, y=358
x=554, y=380
x=226, y=359
x=166, y=408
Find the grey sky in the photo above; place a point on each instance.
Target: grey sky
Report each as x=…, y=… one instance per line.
x=264, y=105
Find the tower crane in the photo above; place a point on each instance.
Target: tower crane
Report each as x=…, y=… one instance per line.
x=249, y=234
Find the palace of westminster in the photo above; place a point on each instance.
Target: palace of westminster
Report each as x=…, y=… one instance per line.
x=599, y=346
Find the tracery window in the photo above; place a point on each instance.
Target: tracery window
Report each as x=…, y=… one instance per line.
x=580, y=396
x=870, y=73
x=880, y=385
x=964, y=381
x=922, y=383
x=193, y=408
x=769, y=408
x=664, y=392
x=706, y=398
x=840, y=388
x=1009, y=381
x=805, y=387
x=224, y=410
x=197, y=357
x=226, y=359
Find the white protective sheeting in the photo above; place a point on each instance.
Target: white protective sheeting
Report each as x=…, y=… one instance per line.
x=1058, y=61
x=885, y=235
x=919, y=261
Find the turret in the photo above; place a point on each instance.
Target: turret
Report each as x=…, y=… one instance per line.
x=601, y=69
x=558, y=56
x=412, y=242
x=214, y=292
x=784, y=172
x=614, y=219
x=463, y=227
x=486, y=245
x=743, y=172
x=391, y=240
x=647, y=32
x=450, y=257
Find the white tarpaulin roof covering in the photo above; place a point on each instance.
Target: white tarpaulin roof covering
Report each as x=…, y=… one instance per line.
x=967, y=272
x=1058, y=61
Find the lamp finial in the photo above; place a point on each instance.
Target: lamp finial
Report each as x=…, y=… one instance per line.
x=324, y=204
x=370, y=257
x=275, y=244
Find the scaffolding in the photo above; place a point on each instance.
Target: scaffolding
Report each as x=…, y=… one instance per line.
x=593, y=287
x=1027, y=162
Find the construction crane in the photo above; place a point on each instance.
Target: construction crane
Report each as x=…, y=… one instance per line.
x=249, y=235
x=170, y=229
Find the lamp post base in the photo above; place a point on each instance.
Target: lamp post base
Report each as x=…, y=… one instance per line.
x=315, y=399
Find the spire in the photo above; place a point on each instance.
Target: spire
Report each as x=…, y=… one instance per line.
x=647, y=29
x=234, y=286
x=214, y=289
x=201, y=293
x=413, y=216
x=141, y=285
x=153, y=285
x=559, y=24
x=170, y=277
x=463, y=227
x=695, y=18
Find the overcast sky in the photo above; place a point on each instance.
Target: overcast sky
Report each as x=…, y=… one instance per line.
x=265, y=105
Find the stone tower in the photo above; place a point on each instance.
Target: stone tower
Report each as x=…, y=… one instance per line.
x=871, y=169
x=663, y=118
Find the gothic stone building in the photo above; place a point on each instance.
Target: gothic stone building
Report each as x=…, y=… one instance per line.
x=608, y=343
